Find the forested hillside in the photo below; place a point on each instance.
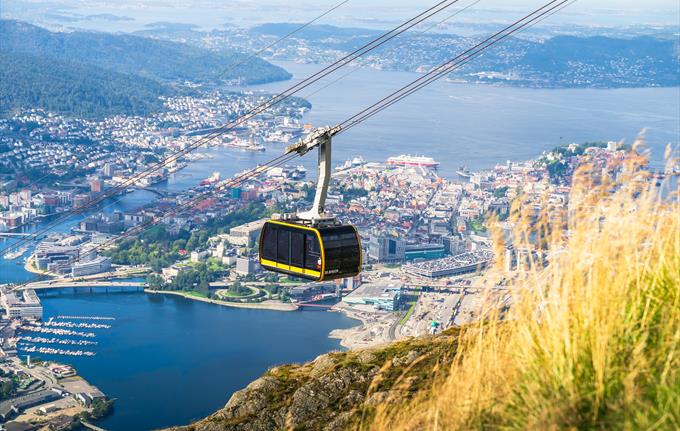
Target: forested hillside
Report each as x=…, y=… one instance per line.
x=28, y=81
x=150, y=58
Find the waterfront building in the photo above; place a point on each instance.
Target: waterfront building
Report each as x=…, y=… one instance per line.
x=94, y=266
x=61, y=371
x=22, y=305
x=44, y=396
x=50, y=256
x=96, y=185
x=173, y=271
x=381, y=295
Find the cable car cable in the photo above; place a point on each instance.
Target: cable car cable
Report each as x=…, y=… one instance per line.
x=435, y=74
x=375, y=43
x=450, y=65
x=533, y=21
x=292, y=155
x=356, y=68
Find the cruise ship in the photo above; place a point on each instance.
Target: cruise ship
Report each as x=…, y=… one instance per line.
x=214, y=178
x=244, y=145
x=408, y=160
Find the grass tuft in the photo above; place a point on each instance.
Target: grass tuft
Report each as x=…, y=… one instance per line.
x=589, y=342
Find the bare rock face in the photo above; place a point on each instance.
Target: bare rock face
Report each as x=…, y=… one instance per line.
x=334, y=391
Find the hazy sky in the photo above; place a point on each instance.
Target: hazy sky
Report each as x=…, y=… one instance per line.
x=374, y=13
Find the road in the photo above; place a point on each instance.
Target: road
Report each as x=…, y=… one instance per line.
x=66, y=283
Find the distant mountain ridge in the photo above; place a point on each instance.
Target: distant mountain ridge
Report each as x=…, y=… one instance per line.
x=559, y=61
x=150, y=58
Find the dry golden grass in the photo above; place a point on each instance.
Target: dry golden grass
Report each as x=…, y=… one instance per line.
x=591, y=341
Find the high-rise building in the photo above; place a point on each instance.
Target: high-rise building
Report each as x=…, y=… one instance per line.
x=96, y=185
x=386, y=248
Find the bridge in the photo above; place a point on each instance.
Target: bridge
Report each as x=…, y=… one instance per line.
x=13, y=234
x=88, y=425
x=72, y=184
x=59, y=284
x=160, y=193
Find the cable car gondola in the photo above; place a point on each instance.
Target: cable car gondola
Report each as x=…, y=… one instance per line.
x=312, y=245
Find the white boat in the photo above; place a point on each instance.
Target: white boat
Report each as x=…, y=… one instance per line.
x=245, y=145
x=15, y=254
x=409, y=160
x=278, y=137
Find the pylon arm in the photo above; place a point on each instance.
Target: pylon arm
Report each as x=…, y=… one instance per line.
x=313, y=140
x=320, y=138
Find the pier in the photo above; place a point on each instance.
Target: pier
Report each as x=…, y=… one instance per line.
x=91, y=426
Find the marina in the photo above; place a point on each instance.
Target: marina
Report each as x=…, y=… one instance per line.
x=52, y=351
x=57, y=324
x=54, y=340
x=67, y=332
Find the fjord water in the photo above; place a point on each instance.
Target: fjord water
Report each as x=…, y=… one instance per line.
x=169, y=360
x=481, y=125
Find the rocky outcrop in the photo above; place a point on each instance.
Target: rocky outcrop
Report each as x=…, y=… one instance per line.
x=334, y=391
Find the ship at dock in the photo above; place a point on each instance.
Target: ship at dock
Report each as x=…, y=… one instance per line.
x=214, y=178
x=464, y=172
x=409, y=160
x=15, y=254
x=244, y=145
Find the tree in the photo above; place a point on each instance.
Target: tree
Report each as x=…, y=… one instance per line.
x=155, y=282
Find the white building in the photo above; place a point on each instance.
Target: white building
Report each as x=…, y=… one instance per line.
x=94, y=266
x=25, y=305
x=246, y=234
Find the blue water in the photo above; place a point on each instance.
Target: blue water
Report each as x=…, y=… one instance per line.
x=168, y=360
x=482, y=125
x=459, y=124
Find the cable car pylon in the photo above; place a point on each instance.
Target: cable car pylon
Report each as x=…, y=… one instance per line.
x=312, y=244
x=320, y=138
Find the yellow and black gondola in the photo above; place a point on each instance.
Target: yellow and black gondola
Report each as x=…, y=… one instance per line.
x=313, y=253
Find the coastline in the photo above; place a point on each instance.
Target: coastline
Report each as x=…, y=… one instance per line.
x=272, y=306
x=33, y=270
x=346, y=337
